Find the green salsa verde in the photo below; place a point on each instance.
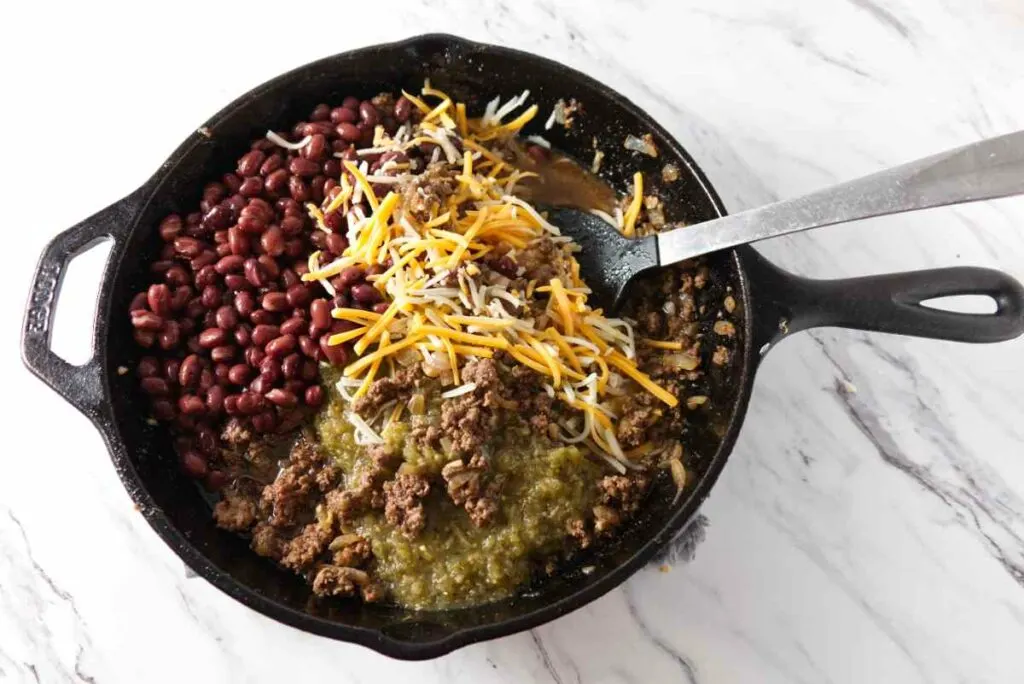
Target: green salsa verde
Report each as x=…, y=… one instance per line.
x=453, y=563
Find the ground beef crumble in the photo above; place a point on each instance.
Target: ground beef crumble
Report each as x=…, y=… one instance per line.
x=403, y=502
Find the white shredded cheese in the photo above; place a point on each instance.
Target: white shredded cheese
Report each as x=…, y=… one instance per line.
x=459, y=391
x=278, y=140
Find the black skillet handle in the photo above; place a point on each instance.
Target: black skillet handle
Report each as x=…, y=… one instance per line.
x=889, y=303
x=80, y=385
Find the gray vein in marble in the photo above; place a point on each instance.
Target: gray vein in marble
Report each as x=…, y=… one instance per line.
x=545, y=659
x=969, y=501
x=686, y=666
x=884, y=16
x=817, y=52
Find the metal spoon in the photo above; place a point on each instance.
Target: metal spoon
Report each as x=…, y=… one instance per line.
x=983, y=170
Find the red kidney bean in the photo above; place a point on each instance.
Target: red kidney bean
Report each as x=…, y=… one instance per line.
x=223, y=353
x=215, y=399
x=160, y=267
x=144, y=338
x=250, y=162
x=349, y=132
x=264, y=422
x=159, y=299
x=335, y=354
x=239, y=374
x=211, y=297
x=281, y=346
x=251, y=187
x=289, y=278
x=319, y=239
x=340, y=115
x=299, y=190
x=205, y=258
x=231, y=182
x=248, y=403
x=350, y=275
x=351, y=102
x=291, y=367
x=170, y=335
x=227, y=317
x=231, y=404
x=314, y=396
x=139, y=302
x=275, y=301
x=365, y=294
x=403, y=109
x=380, y=307
x=300, y=166
x=293, y=326
x=220, y=373
x=277, y=181
x=316, y=127
x=272, y=241
x=171, y=227
x=191, y=405
x=309, y=372
x=262, y=334
x=294, y=248
x=298, y=296
x=291, y=225
x=187, y=246
x=254, y=273
x=272, y=164
x=296, y=387
x=229, y=264
x=236, y=282
x=262, y=317
x=217, y=217
x=250, y=223
x=176, y=276
x=189, y=370
x=181, y=297
x=206, y=440
x=282, y=398
x=320, y=314
x=253, y=356
x=238, y=241
x=243, y=335
x=270, y=367
x=321, y=112
x=193, y=464
x=212, y=337
x=368, y=113
x=270, y=267
x=148, y=366
x=308, y=346
x=245, y=303
x=155, y=387
x=146, y=320
x=336, y=244
x=262, y=384
x=316, y=150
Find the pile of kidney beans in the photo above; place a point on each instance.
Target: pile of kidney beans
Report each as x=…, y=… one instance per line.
x=229, y=327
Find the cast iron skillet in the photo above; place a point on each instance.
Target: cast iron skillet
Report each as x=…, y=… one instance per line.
x=772, y=303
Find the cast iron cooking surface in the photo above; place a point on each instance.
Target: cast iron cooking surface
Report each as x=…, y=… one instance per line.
x=474, y=74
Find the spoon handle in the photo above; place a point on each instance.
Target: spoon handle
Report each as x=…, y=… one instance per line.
x=983, y=170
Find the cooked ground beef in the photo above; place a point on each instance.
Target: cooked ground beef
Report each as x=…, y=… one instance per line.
x=623, y=493
x=366, y=493
x=641, y=411
x=295, y=491
x=238, y=508
x=399, y=386
x=539, y=260
x=532, y=403
x=403, y=502
x=332, y=580
x=468, y=486
x=427, y=190
x=302, y=551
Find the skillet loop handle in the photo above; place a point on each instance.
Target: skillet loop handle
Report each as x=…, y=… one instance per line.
x=82, y=385
x=889, y=303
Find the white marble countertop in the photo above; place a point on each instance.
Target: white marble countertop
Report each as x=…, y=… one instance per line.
x=868, y=527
